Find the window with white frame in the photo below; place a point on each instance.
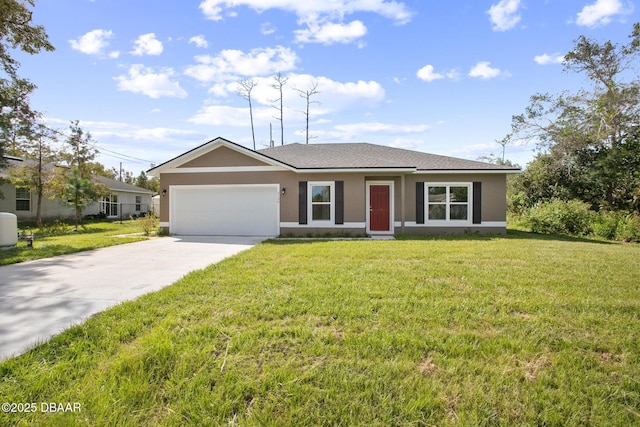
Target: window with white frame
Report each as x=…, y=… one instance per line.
x=109, y=205
x=321, y=201
x=23, y=199
x=448, y=202
x=138, y=203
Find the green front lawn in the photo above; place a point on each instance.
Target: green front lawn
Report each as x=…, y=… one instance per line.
x=516, y=330
x=50, y=242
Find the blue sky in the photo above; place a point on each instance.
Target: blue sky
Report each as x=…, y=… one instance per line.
x=151, y=79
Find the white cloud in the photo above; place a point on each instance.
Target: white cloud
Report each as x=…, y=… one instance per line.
x=483, y=70
x=407, y=143
x=545, y=59
x=453, y=74
x=329, y=33
x=332, y=96
x=199, y=41
x=147, y=44
x=322, y=19
x=504, y=14
x=428, y=74
x=267, y=29
x=224, y=115
x=394, y=10
x=143, y=134
x=126, y=130
x=232, y=64
x=159, y=134
x=141, y=79
x=92, y=43
x=600, y=13
x=370, y=91
x=356, y=129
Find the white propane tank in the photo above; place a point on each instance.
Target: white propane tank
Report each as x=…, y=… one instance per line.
x=8, y=230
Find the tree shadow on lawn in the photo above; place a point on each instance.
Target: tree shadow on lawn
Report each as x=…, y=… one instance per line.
x=39, y=251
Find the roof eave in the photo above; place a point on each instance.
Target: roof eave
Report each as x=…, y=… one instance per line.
x=466, y=171
x=351, y=170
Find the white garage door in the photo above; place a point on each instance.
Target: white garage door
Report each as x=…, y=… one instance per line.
x=225, y=210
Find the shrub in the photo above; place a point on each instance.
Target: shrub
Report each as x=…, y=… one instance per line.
x=57, y=227
x=629, y=228
x=148, y=223
x=606, y=224
x=560, y=217
x=617, y=226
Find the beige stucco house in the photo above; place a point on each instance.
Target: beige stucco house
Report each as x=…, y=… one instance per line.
x=122, y=200
x=222, y=188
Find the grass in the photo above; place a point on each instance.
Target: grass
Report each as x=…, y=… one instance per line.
x=515, y=330
x=91, y=236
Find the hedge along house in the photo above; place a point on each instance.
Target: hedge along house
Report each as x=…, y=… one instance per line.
x=222, y=188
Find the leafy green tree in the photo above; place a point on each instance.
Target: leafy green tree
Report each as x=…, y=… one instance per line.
x=80, y=150
x=37, y=173
x=587, y=139
x=16, y=115
x=75, y=183
x=78, y=193
x=141, y=180
x=16, y=32
x=153, y=184
x=541, y=181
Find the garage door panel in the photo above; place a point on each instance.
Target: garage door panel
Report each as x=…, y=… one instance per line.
x=225, y=210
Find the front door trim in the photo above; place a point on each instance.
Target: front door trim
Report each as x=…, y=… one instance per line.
x=391, y=206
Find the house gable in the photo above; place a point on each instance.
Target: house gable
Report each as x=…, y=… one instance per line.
x=223, y=156
x=219, y=155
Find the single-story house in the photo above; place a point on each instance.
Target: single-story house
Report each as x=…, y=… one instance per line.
x=222, y=188
x=123, y=200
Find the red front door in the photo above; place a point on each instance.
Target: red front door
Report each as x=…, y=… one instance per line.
x=379, y=209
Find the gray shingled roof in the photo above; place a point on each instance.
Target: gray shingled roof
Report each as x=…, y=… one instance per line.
x=112, y=184
x=364, y=155
x=116, y=185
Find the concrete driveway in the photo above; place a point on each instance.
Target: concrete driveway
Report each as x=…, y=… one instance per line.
x=39, y=299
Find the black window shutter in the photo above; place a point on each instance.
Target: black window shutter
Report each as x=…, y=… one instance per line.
x=419, y=202
x=302, y=202
x=339, y=202
x=477, y=202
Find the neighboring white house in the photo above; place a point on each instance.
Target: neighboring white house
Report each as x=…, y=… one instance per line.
x=124, y=200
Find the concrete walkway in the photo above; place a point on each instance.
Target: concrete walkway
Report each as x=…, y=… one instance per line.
x=39, y=299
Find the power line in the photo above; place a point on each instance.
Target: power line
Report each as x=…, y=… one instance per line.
x=113, y=154
x=121, y=156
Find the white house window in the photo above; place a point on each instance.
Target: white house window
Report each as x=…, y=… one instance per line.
x=109, y=205
x=448, y=202
x=138, y=203
x=23, y=199
x=321, y=201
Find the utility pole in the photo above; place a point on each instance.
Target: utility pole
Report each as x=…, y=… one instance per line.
x=271, y=144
